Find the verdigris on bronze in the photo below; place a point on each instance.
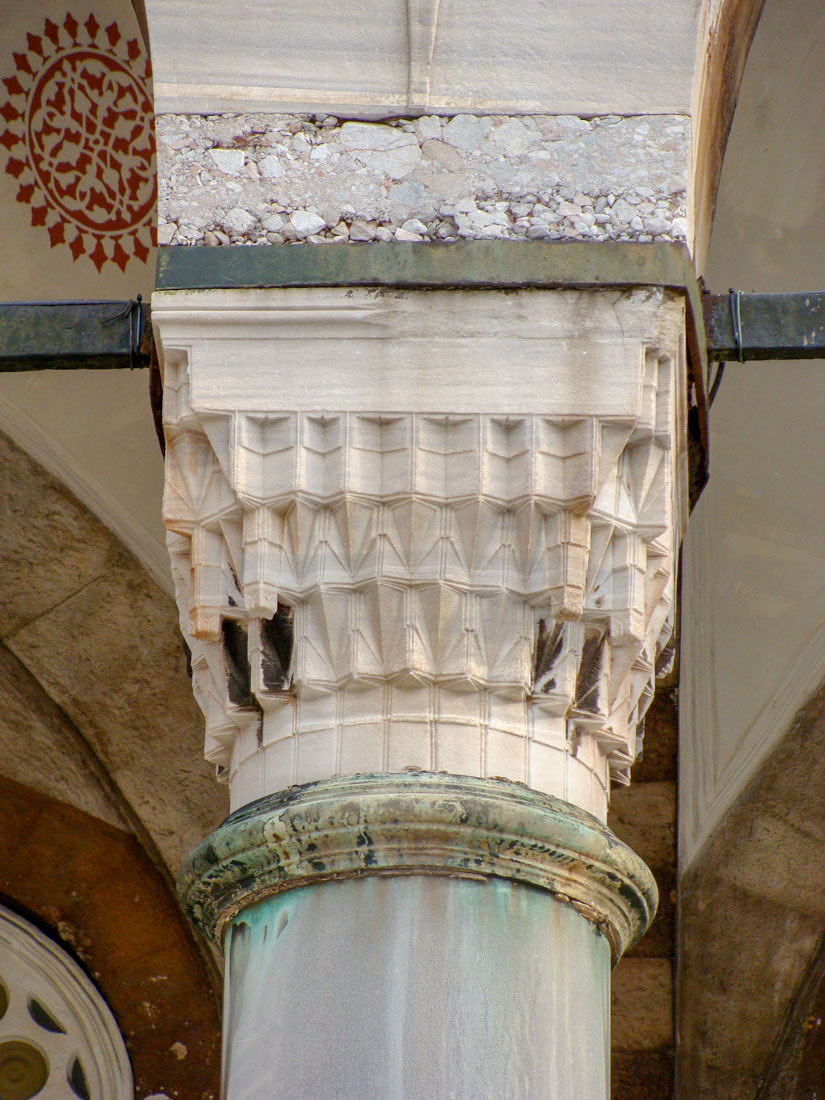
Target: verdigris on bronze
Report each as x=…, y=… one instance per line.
x=419, y=823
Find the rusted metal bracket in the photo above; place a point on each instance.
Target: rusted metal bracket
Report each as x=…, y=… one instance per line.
x=75, y=335
x=740, y=327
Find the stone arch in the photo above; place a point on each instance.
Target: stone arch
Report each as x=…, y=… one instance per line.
x=751, y=803
x=103, y=789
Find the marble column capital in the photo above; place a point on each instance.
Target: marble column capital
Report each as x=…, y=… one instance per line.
x=425, y=528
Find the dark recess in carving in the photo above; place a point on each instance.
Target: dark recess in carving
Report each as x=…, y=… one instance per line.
x=590, y=673
x=276, y=643
x=236, y=659
x=546, y=652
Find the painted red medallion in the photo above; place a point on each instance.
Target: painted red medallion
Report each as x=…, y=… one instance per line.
x=80, y=139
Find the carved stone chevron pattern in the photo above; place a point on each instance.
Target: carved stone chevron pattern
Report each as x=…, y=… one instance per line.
x=379, y=588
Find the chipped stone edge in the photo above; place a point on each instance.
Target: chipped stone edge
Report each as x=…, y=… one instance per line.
x=418, y=823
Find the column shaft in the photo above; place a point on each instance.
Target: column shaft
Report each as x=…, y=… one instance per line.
x=405, y=988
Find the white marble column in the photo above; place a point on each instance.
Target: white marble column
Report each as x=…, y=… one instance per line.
x=424, y=540
x=421, y=1016
x=424, y=548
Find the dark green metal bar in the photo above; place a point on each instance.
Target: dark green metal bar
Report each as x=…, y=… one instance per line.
x=505, y=264
x=771, y=326
x=72, y=335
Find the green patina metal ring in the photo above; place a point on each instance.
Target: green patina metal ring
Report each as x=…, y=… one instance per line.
x=418, y=823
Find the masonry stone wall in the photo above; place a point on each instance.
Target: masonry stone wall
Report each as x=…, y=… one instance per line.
x=276, y=178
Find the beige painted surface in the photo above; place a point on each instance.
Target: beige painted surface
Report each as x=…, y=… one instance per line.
x=92, y=429
x=753, y=634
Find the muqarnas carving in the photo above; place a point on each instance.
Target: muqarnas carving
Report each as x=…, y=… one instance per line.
x=371, y=591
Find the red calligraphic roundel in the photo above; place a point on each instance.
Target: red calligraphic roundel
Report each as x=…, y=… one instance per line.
x=80, y=139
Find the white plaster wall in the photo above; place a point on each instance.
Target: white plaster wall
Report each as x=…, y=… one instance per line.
x=753, y=595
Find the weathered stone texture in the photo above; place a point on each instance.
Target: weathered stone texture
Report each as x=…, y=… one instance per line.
x=644, y=988
x=33, y=729
x=644, y=815
x=479, y=594
x=641, y=1075
x=85, y=620
x=49, y=549
x=270, y=178
x=759, y=882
